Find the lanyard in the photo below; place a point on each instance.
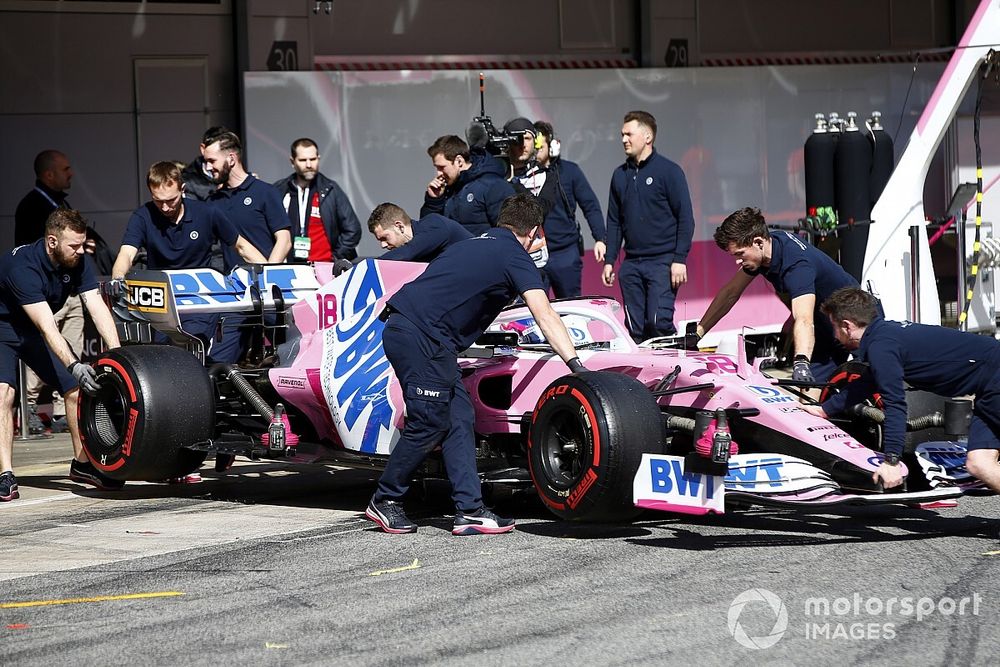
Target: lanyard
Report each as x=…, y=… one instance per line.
x=304, y=202
x=46, y=195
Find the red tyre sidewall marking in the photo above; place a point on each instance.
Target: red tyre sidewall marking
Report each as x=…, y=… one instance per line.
x=132, y=419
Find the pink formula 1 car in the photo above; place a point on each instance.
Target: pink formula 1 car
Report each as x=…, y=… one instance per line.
x=596, y=446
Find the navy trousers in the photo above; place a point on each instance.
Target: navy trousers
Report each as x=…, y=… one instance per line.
x=648, y=296
x=562, y=272
x=438, y=412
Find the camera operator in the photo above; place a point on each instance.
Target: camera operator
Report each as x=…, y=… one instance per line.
x=469, y=186
x=560, y=185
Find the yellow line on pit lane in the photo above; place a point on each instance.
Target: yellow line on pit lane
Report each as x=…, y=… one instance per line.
x=99, y=598
x=415, y=565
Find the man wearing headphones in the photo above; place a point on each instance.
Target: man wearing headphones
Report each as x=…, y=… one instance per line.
x=803, y=275
x=561, y=186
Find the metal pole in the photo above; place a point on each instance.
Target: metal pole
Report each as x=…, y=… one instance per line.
x=963, y=284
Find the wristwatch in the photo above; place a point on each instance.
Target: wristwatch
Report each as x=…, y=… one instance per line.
x=891, y=459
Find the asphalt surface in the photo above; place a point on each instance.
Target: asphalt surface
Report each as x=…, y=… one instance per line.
x=274, y=565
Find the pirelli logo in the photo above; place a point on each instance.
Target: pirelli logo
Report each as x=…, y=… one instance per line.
x=147, y=297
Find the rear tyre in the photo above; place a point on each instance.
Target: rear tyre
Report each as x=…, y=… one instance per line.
x=154, y=401
x=588, y=434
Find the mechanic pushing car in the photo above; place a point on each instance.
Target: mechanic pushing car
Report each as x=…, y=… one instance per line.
x=35, y=281
x=407, y=241
x=796, y=269
x=427, y=323
x=943, y=361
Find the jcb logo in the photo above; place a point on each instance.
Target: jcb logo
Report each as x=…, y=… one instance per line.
x=147, y=297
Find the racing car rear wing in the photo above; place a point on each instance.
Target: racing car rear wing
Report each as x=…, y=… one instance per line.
x=160, y=298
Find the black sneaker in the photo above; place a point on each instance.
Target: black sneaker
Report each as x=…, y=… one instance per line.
x=390, y=517
x=85, y=473
x=481, y=522
x=35, y=424
x=8, y=487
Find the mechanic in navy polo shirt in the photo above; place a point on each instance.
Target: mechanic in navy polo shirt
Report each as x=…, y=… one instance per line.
x=254, y=207
x=803, y=275
x=409, y=241
x=469, y=186
x=650, y=209
x=178, y=233
x=35, y=281
x=943, y=361
x=428, y=323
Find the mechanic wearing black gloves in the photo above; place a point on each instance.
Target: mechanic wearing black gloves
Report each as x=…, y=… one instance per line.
x=943, y=361
x=409, y=241
x=469, y=186
x=428, y=322
x=35, y=281
x=178, y=233
x=801, y=274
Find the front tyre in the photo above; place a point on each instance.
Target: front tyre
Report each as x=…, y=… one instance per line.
x=587, y=437
x=154, y=401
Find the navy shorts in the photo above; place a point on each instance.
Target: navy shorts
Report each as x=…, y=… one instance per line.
x=985, y=426
x=33, y=351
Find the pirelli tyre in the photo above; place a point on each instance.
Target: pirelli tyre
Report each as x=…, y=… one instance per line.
x=154, y=401
x=587, y=436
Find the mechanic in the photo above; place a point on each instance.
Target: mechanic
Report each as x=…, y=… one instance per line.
x=932, y=358
x=178, y=233
x=407, y=241
x=469, y=186
x=802, y=274
x=196, y=176
x=254, y=207
x=35, y=281
x=53, y=176
x=649, y=207
x=562, y=186
x=321, y=215
x=428, y=323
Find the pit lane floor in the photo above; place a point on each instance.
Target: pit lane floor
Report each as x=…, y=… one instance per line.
x=272, y=565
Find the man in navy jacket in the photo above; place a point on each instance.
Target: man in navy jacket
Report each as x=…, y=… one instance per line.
x=650, y=209
x=943, y=361
x=469, y=186
x=561, y=189
x=409, y=241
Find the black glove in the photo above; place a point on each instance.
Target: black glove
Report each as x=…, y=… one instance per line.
x=341, y=265
x=800, y=369
x=115, y=288
x=86, y=376
x=576, y=366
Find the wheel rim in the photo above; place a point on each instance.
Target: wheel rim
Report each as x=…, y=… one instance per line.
x=108, y=416
x=565, y=449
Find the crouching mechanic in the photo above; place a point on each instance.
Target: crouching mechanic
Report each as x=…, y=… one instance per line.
x=943, y=361
x=407, y=241
x=35, y=281
x=178, y=233
x=428, y=322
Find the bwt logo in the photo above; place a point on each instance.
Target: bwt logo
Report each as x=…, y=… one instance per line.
x=147, y=297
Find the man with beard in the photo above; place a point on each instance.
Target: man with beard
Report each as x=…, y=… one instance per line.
x=323, y=220
x=35, y=281
x=196, y=176
x=179, y=233
x=469, y=186
x=254, y=207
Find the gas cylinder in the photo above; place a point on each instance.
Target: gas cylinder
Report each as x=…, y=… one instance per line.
x=852, y=166
x=883, y=157
x=818, y=158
